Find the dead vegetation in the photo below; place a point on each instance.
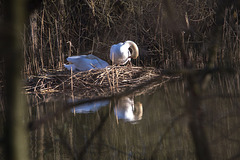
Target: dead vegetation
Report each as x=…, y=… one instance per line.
x=64, y=28
x=93, y=83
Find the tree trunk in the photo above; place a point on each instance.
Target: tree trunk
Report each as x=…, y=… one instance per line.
x=16, y=138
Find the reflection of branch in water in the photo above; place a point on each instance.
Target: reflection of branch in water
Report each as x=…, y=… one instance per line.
x=93, y=134
x=72, y=150
x=130, y=155
x=198, y=83
x=35, y=124
x=159, y=79
x=229, y=131
x=157, y=147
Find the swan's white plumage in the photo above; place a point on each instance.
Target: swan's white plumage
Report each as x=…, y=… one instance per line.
x=85, y=63
x=120, y=53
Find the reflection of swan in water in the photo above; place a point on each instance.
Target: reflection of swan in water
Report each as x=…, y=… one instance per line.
x=126, y=109
x=121, y=53
x=90, y=107
x=85, y=63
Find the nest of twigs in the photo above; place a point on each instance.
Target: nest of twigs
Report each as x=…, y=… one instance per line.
x=93, y=83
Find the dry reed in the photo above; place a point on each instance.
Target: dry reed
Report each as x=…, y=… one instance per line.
x=96, y=25
x=93, y=83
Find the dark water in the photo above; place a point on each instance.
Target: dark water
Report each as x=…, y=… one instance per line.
x=151, y=125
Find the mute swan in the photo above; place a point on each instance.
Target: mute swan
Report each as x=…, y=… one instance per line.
x=121, y=53
x=85, y=63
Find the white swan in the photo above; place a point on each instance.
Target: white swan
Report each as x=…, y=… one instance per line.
x=85, y=63
x=121, y=53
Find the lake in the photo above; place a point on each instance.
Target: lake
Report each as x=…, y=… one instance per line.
x=152, y=125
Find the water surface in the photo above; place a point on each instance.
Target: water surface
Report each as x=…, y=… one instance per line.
x=151, y=125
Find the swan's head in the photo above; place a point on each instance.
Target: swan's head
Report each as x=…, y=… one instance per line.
x=134, y=49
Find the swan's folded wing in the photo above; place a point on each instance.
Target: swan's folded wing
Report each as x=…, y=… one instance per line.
x=69, y=66
x=87, y=62
x=75, y=59
x=99, y=63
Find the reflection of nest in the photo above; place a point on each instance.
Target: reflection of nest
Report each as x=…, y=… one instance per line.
x=93, y=83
